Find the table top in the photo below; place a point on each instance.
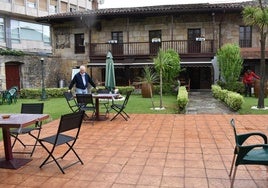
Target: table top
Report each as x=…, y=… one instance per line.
x=105, y=95
x=21, y=120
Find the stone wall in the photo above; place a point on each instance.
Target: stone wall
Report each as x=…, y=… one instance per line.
x=55, y=69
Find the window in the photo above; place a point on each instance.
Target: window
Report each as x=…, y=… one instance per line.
x=31, y=4
x=46, y=34
x=72, y=8
x=79, y=47
x=29, y=31
x=52, y=9
x=15, y=33
x=155, y=37
x=245, y=36
x=2, y=30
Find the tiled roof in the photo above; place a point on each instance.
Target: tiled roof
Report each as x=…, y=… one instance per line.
x=164, y=9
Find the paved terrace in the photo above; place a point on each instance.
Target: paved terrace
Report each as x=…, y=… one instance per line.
x=148, y=151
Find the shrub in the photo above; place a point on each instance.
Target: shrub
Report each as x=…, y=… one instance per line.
x=233, y=86
x=182, y=98
x=232, y=99
x=58, y=92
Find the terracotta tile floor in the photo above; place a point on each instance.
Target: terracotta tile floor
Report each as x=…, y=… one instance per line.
x=148, y=151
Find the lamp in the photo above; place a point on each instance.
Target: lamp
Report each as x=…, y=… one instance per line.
x=43, y=94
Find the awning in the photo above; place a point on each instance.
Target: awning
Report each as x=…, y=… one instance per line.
x=197, y=64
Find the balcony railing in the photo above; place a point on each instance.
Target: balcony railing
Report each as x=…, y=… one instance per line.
x=151, y=49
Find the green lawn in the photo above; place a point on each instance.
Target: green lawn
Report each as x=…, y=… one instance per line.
x=55, y=107
x=249, y=102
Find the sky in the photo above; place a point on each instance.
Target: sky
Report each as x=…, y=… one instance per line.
x=139, y=3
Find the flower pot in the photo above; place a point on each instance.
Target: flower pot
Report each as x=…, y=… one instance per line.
x=257, y=88
x=145, y=90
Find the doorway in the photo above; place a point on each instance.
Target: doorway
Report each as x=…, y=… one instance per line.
x=201, y=77
x=155, y=38
x=193, y=45
x=12, y=75
x=117, y=47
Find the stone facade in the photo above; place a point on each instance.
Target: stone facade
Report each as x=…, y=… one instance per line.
x=31, y=71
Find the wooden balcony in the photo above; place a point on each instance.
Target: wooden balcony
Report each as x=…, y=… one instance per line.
x=144, y=51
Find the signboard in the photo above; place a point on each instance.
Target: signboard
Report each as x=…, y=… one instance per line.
x=74, y=71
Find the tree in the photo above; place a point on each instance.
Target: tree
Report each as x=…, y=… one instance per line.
x=230, y=62
x=258, y=16
x=167, y=64
x=148, y=79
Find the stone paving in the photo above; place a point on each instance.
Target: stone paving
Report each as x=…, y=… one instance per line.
x=205, y=103
x=193, y=150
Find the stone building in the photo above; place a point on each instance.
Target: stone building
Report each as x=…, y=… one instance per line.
x=19, y=31
x=134, y=35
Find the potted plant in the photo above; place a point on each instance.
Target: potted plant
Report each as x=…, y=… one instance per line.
x=147, y=81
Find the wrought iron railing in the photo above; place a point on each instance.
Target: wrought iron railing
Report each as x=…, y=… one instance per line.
x=147, y=48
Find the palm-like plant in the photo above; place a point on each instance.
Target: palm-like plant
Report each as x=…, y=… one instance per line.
x=167, y=64
x=149, y=78
x=258, y=16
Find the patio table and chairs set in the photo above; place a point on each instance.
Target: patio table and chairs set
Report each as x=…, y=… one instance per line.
x=30, y=120
x=87, y=103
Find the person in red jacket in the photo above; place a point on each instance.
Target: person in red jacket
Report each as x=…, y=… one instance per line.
x=248, y=80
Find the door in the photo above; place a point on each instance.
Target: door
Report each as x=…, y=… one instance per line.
x=200, y=77
x=155, y=41
x=117, y=47
x=193, y=45
x=12, y=75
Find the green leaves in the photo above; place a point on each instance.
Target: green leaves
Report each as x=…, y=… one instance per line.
x=230, y=62
x=11, y=52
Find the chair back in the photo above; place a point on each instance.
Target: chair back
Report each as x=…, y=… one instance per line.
x=32, y=108
x=12, y=91
x=232, y=122
x=71, y=101
x=84, y=99
x=127, y=98
x=71, y=121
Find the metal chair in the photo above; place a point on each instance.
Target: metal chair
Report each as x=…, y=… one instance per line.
x=10, y=95
x=70, y=99
x=119, y=108
x=104, y=102
x=67, y=134
x=28, y=108
x=255, y=154
x=85, y=103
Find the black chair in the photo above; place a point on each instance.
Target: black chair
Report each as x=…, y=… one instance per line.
x=68, y=131
x=70, y=99
x=255, y=154
x=104, y=102
x=119, y=108
x=28, y=108
x=85, y=103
